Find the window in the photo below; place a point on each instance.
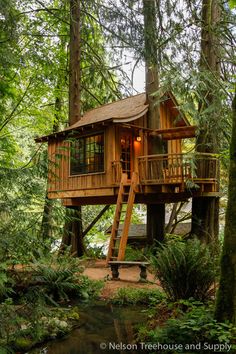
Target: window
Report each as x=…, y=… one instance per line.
x=87, y=155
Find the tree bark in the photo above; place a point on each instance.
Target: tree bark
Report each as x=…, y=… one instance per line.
x=73, y=230
x=205, y=219
x=155, y=223
x=46, y=227
x=205, y=210
x=155, y=213
x=74, y=63
x=226, y=297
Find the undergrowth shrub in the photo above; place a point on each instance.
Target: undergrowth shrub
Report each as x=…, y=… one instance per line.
x=6, y=283
x=127, y=296
x=195, y=324
x=55, y=280
x=185, y=269
x=134, y=254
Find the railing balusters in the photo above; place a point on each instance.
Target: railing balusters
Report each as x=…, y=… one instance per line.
x=179, y=168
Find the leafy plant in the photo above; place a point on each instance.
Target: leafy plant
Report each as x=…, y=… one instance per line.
x=134, y=254
x=193, y=325
x=126, y=296
x=185, y=270
x=5, y=282
x=54, y=280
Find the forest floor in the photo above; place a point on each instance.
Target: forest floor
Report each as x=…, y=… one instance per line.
x=129, y=277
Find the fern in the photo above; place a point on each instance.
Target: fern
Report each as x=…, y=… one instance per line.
x=185, y=270
x=55, y=280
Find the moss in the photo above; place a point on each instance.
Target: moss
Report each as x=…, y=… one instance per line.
x=23, y=343
x=73, y=315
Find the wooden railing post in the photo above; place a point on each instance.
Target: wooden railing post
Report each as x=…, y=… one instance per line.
x=177, y=169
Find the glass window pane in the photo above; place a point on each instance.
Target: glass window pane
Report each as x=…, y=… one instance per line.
x=87, y=155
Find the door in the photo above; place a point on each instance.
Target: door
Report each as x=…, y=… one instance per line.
x=126, y=142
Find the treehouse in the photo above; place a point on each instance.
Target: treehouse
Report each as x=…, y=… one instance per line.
x=107, y=157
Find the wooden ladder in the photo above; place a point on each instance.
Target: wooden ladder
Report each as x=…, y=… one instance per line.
x=117, y=245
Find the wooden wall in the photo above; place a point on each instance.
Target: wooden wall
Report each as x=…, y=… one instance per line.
x=59, y=166
x=167, y=121
x=99, y=183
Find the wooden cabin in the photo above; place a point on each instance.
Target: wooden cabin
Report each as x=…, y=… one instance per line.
x=107, y=158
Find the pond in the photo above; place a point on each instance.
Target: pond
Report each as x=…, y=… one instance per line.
x=104, y=328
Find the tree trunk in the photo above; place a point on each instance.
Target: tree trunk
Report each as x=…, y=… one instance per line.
x=205, y=220
x=46, y=228
x=205, y=210
x=74, y=63
x=77, y=245
x=226, y=297
x=155, y=223
x=73, y=233
x=155, y=213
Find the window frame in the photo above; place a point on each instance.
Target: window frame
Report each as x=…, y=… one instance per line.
x=88, y=173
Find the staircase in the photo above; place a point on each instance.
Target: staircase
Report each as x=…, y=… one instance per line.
x=117, y=246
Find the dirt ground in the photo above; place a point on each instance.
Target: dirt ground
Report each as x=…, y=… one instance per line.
x=129, y=277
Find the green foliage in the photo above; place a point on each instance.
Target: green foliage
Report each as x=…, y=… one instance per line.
x=131, y=296
x=232, y=4
x=185, y=269
x=8, y=318
x=58, y=281
x=22, y=200
x=31, y=323
x=134, y=254
x=193, y=324
x=33, y=314
x=5, y=282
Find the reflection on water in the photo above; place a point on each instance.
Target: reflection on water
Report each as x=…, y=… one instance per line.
x=101, y=324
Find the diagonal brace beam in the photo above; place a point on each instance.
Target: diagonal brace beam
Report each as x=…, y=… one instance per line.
x=95, y=220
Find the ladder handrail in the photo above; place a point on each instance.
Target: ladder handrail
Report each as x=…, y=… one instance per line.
x=116, y=220
x=130, y=204
x=128, y=213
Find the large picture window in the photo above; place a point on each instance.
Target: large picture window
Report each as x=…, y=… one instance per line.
x=87, y=155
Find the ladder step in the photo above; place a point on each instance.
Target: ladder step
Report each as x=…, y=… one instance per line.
x=126, y=196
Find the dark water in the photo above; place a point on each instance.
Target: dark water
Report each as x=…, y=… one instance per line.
x=104, y=329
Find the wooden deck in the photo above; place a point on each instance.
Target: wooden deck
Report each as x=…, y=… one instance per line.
x=188, y=171
x=165, y=175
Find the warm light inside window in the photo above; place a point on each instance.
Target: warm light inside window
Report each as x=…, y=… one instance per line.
x=138, y=138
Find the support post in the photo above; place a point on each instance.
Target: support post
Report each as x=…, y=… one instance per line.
x=205, y=219
x=155, y=223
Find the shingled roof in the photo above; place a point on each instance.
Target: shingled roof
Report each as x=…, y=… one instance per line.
x=125, y=110
x=122, y=111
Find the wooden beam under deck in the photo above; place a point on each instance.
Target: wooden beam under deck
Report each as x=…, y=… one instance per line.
x=103, y=200
x=82, y=193
x=150, y=197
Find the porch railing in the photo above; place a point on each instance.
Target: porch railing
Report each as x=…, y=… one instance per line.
x=116, y=171
x=178, y=168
